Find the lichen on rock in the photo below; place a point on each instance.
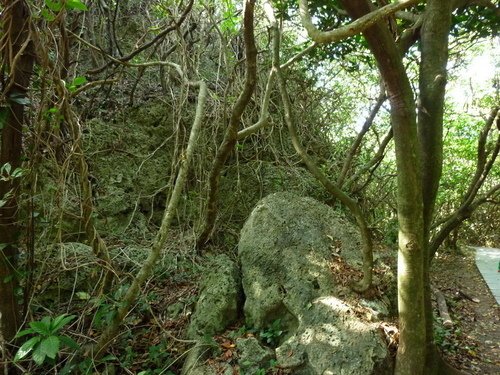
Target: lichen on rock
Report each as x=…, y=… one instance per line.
x=285, y=249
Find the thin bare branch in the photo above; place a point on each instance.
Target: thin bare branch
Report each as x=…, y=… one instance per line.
x=357, y=142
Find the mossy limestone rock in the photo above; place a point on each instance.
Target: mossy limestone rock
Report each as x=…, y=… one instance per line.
x=77, y=270
x=217, y=307
x=217, y=304
x=252, y=356
x=285, y=249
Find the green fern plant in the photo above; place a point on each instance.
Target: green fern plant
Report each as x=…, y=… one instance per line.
x=46, y=343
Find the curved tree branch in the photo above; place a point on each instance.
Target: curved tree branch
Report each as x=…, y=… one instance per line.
x=352, y=29
x=458, y=217
x=231, y=134
x=146, y=270
x=469, y=203
x=375, y=160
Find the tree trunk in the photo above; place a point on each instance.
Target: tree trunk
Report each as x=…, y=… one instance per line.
x=432, y=83
x=17, y=60
x=412, y=343
x=231, y=135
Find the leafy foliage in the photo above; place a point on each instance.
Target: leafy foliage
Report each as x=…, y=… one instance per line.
x=272, y=334
x=46, y=344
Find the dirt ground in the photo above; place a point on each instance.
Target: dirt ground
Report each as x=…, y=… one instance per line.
x=472, y=344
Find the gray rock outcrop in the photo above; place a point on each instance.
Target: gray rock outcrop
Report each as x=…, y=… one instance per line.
x=252, y=356
x=285, y=250
x=217, y=307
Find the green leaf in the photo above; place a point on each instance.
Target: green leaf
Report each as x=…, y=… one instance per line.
x=78, y=81
x=46, y=320
x=26, y=348
x=50, y=346
x=20, y=99
x=6, y=168
x=24, y=332
x=47, y=15
x=42, y=328
x=60, y=322
x=38, y=356
x=76, y=5
x=18, y=172
x=84, y=296
x=69, y=342
x=54, y=6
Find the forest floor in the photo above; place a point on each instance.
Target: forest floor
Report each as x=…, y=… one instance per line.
x=472, y=344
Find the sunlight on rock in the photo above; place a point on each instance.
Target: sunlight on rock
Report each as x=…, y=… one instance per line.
x=334, y=303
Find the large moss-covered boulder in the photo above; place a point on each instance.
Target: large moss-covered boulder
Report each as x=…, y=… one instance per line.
x=286, y=249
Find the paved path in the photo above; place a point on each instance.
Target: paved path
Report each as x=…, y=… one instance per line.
x=487, y=260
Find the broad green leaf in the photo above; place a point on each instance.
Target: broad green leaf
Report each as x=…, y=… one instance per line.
x=50, y=346
x=20, y=99
x=69, y=342
x=41, y=328
x=26, y=348
x=18, y=172
x=38, y=356
x=46, y=320
x=24, y=332
x=60, y=322
x=76, y=5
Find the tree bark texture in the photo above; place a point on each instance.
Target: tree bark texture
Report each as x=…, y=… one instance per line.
x=412, y=345
x=432, y=83
x=17, y=65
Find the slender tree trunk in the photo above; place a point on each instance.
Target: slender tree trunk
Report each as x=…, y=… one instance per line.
x=146, y=269
x=470, y=200
x=17, y=66
x=412, y=343
x=432, y=83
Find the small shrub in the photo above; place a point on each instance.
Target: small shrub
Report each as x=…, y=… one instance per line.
x=46, y=343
